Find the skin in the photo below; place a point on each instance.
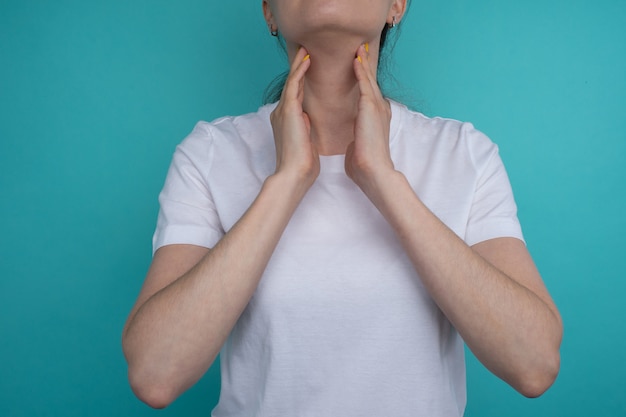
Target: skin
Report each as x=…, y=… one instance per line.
x=192, y=297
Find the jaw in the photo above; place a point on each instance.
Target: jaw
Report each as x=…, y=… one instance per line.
x=333, y=44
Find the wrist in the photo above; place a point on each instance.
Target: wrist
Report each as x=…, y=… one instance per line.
x=377, y=184
x=386, y=189
x=293, y=185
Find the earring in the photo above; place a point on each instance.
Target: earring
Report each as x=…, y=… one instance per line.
x=273, y=32
x=392, y=24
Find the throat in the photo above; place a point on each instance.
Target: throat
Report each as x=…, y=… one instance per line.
x=332, y=119
x=331, y=95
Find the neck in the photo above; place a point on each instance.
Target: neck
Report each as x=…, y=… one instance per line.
x=331, y=92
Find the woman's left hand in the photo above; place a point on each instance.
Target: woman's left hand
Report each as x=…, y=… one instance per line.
x=368, y=159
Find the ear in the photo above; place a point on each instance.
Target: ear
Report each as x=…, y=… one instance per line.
x=267, y=13
x=397, y=10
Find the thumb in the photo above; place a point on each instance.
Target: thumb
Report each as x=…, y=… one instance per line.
x=348, y=159
x=307, y=122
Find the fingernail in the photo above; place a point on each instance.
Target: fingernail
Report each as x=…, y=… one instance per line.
x=306, y=57
x=367, y=46
x=359, y=58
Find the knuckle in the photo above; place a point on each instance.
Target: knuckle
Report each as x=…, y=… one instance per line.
x=291, y=107
x=292, y=82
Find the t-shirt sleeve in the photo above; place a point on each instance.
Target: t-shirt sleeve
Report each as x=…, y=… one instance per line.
x=493, y=212
x=187, y=213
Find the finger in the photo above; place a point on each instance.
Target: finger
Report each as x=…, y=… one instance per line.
x=363, y=57
x=297, y=59
x=294, y=85
x=363, y=76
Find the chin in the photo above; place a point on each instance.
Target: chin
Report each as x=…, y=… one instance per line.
x=332, y=19
x=329, y=33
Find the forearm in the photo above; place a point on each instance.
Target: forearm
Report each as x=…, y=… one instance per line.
x=176, y=334
x=508, y=327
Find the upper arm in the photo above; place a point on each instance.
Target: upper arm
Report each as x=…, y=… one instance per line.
x=511, y=256
x=168, y=264
x=188, y=212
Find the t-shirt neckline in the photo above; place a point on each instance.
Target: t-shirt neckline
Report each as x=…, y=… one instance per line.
x=335, y=163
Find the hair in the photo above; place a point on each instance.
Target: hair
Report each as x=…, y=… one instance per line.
x=388, y=38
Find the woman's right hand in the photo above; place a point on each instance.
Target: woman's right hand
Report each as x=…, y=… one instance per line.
x=193, y=296
x=296, y=155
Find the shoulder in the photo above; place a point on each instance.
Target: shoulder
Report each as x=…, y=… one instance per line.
x=226, y=131
x=242, y=124
x=442, y=135
x=440, y=128
x=227, y=127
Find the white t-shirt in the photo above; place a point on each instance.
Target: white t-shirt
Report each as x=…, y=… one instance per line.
x=340, y=324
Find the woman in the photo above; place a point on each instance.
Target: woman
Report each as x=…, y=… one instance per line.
x=338, y=248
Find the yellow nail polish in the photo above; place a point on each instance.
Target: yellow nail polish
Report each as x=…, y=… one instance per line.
x=306, y=57
x=367, y=47
x=359, y=58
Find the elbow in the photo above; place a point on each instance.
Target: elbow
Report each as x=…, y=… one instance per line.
x=153, y=394
x=143, y=380
x=538, y=375
x=534, y=383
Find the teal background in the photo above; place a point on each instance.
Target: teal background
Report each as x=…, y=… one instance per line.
x=94, y=96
